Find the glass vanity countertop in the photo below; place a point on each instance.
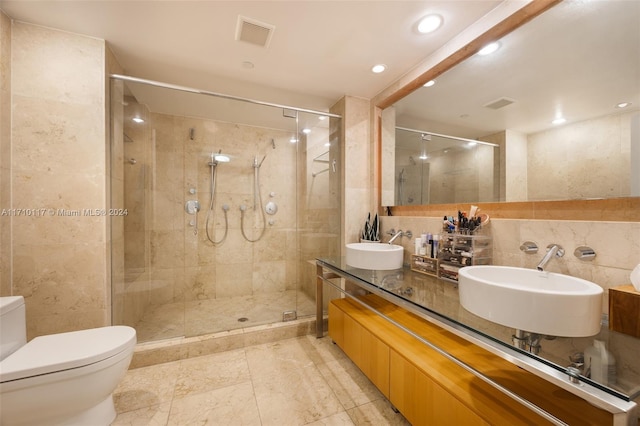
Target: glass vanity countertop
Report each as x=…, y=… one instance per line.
x=439, y=299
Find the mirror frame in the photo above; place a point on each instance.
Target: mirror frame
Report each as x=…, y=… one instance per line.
x=624, y=209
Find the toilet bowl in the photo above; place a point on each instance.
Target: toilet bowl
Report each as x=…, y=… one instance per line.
x=60, y=379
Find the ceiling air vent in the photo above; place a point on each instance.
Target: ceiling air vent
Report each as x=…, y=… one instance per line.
x=253, y=31
x=499, y=103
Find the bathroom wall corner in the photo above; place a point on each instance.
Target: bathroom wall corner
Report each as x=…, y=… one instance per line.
x=356, y=165
x=5, y=154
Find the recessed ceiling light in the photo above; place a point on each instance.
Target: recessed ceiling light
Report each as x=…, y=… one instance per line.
x=429, y=83
x=489, y=49
x=306, y=131
x=559, y=120
x=138, y=120
x=378, y=68
x=429, y=24
x=623, y=104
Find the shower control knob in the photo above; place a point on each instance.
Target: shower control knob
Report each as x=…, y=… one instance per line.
x=271, y=208
x=272, y=194
x=192, y=206
x=192, y=190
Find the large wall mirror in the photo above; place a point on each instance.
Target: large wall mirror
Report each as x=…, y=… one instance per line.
x=578, y=62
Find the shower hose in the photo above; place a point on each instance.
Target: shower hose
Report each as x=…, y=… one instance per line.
x=212, y=198
x=258, y=196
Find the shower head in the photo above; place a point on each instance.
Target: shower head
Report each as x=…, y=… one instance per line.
x=218, y=158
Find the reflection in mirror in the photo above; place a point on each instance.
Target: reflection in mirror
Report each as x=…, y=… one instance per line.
x=431, y=168
x=579, y=61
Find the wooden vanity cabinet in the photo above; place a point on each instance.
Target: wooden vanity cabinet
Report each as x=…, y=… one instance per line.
x=422, y=401
x=430, y=389
x=368, y=352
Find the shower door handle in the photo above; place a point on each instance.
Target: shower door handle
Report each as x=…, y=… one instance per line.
x=333, y=165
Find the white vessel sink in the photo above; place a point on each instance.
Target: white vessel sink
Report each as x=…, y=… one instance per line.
x=374, y=256
x=530, y=300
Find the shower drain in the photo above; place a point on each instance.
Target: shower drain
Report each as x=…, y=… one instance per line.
x=243, y=319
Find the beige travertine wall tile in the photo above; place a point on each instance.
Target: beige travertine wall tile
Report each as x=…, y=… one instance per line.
x=356, y=196
x=58, y=162
x=592, y=159
x=5, y=154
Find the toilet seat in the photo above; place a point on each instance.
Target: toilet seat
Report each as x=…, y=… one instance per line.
x=66, y=351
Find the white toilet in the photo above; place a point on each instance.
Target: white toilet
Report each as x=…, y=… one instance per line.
x=60, y=379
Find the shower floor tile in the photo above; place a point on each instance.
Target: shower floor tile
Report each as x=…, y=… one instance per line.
x=299, y=381
x=198, y=317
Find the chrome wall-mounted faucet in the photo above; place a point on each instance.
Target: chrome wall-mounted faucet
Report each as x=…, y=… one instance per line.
x=552, y=250
x=398, y=234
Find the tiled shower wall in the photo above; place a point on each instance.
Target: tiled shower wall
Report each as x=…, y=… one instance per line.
x=166, y=262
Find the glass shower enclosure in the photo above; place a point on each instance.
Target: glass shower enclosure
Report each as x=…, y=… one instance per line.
x=219, y=208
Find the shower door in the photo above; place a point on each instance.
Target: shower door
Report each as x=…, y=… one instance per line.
x=230, y=203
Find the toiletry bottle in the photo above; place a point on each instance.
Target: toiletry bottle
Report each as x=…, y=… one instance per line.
x=436, y=242
x=595, y=365
x=608, y=364
x=418, y=245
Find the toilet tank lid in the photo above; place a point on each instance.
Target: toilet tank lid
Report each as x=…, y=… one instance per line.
x=7, y=304
x=64, y=351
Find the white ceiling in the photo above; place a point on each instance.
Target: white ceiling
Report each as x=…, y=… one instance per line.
x=320, y=50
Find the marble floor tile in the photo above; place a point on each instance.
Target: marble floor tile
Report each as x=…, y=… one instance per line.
x=273, y=359
x=351, y=387
x=297, y=397
x=231, y=405
x=323, y=350
x=147, y=386
x=205, y=373
x=297, y=381
x=340, y=419
x=376, y=413
x=153, y=415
